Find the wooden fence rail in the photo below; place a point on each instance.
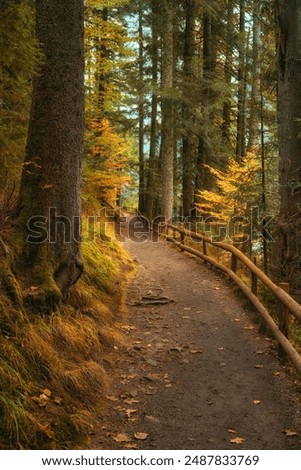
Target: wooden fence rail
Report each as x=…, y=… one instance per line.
x=287, y=303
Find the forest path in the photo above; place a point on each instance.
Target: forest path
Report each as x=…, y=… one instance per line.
x=194, y=373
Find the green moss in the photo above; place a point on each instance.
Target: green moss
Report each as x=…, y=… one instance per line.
x=100, y=268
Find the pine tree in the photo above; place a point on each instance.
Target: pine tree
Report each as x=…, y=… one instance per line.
x=51, y=178
x=167, y=135
x=19, y=62
x=289, y=66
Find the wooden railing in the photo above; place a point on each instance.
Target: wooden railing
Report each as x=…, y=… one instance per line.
x=286, y=302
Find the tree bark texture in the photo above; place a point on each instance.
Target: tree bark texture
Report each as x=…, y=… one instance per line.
x=226, y=128
x=141, y=115
x=151, y=184
x=254, y=121
x=167, y=136
x=52, y=169
x=241, y=107
x=289, y=223
x=189, y=139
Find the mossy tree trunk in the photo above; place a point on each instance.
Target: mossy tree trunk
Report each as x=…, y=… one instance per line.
x=49, y=205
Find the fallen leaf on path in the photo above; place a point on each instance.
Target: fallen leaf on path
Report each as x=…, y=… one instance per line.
x=259, y=366
x=256, y=402
x=221, y=349
x=122, y=438
x=58, y=400
x=141, y=436
x=131, y=401
x=46, y=392
x=249, y=328
x=128, y=328
x=111, y=398
x=237, y=319
x=196, y=351
x=237, y=440
x=231, y=431
x=290, y=433
x=260, y=353
x=187, y=309
x=185, y=318
x=168, y=386
x=131, y=446
x=276, y=374
x=130, y=412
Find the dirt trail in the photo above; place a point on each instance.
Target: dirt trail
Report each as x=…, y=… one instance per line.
x=195, y=373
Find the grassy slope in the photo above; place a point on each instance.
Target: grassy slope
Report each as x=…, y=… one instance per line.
x=51, y=367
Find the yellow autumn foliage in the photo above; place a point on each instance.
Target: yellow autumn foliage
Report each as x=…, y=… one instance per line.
x=107, y=156
x=235, y=192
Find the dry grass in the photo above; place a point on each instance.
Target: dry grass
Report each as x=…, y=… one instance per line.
x=62, y=353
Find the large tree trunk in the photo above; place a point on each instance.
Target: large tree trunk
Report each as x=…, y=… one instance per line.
x=167, y=139
x=50, y=193
x=289, y=223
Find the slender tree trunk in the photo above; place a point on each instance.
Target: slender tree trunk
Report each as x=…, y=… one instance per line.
x=50, y=193
x=254, y=122
x=167, y=137
x=189, y=140
x=228, y=73
x=289, y=223
x=203, y=176
x=153, y=160
x=102, y=77
x=241, y=127
x=263, y=187
x=141, y=115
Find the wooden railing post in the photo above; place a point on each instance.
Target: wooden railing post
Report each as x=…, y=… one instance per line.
x=165, y=230
x=283, y=312
x=233, y=263
x=254, y=278
x=204, y=247
x=182, y=239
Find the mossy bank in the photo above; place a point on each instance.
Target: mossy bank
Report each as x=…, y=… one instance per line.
x=52, y=370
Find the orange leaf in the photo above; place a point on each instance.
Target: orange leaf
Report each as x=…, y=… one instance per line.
x=237, y=440
x=290, y=433
x=141, y=436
